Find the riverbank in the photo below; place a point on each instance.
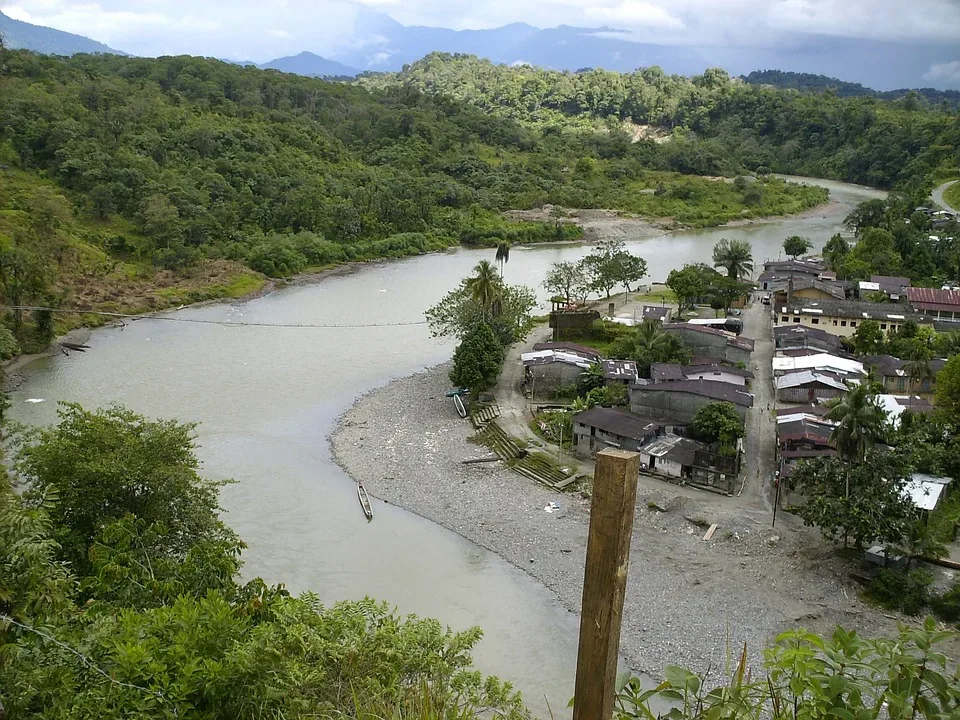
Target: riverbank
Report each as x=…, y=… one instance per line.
x=688, y=602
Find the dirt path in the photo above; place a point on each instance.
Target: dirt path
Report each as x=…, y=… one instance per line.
x=937, y=196
x=761, y=428
x=514, y=418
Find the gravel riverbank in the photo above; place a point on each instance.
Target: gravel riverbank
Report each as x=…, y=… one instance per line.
x=688, y=602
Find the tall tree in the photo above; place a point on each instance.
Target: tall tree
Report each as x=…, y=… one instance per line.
x=567, y=280
x=860, y=424
x=503, y=255
x=485, y=285
x=735, y=256
x=948, y=391
x=796, y=245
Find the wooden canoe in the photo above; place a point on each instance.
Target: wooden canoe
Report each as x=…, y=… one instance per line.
x=364, y=501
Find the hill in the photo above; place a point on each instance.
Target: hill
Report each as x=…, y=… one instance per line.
x=808, y=82
x=716, y=123
x=311, y=65
x=167, y=165
x=21, y=35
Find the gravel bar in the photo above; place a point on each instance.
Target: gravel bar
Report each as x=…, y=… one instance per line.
x=688, y=602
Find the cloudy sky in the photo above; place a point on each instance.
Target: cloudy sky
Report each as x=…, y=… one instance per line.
x=259, y=30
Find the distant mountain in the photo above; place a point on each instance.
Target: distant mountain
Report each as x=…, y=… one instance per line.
x=19, y=35
x=307, y=63
x=808, y=82
x=386, y=45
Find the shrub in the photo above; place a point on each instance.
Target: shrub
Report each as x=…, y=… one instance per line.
x=898, y=590
x=947, y=606
x=8, y=344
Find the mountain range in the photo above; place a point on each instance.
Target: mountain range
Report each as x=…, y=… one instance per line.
x=387, y=45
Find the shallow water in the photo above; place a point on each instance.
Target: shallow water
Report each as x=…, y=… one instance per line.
x=266, y=399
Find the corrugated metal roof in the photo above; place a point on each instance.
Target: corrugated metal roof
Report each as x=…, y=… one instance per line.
x=820, y=361
x=806, y=377
x=933, y=299
x=925, y=490
x=619, y=422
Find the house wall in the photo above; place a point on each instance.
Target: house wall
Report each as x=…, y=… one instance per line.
x=542, y=380
x=668, y=468
x=942, y=315
x=840, y=326
x=677, y=406
x=588, y=441
x=807, y=394
x=811, y=293
x=713, y=346
x=897, y=385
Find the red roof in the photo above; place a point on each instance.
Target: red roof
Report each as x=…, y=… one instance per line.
x=933, y=299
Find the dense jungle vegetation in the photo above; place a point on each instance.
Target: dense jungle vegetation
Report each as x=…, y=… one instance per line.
x=132, y=183
x=717, y=124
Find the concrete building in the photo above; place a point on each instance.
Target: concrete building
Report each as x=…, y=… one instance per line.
x=680, y=400
x=936, y=304
x=842, y=317
x=599, y=428
x=843, y=368
x=808, y=386
x=717, y=344
x=800, y=336
x=674, y=372
x=656, y=313
x=670, y=455
x=893, y=373
x=547, y=370
x=808, y=288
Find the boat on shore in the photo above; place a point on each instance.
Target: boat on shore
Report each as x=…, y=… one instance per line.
x=364, y=501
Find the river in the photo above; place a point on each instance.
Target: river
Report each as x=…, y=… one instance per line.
x=266, y=399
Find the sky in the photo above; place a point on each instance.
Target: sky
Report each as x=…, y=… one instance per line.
x=257, y=30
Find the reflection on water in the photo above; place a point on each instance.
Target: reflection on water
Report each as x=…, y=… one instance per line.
x=266, y=398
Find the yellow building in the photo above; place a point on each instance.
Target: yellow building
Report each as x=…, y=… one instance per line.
x=843, y=317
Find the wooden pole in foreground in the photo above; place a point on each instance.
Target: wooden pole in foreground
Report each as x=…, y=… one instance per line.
x=605, y=582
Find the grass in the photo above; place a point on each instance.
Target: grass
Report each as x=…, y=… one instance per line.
x=952, y=196
x=656, y=295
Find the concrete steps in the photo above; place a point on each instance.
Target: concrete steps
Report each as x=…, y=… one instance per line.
x=532, y=466
x=483, y=415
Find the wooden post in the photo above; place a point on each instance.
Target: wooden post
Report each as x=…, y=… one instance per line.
x=605, y=582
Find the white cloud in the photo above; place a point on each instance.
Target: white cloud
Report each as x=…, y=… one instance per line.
x=633, y=13
x=274, y=32
x=947, y=73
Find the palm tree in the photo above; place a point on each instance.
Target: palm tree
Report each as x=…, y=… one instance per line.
x=651, y=338
x=861, y=422
x=485, y=287
x=917, y=369
x=503, y=255
x=736, y=256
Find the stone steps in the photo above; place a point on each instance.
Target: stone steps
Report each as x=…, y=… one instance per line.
x=528, y=465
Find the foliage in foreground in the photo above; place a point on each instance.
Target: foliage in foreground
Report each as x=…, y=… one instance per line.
x=119, y=598
x=806, y=677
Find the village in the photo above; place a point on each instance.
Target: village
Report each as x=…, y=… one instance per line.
x=751, y=400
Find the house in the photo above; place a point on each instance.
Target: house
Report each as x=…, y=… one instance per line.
x=777, y=273
x=894, y=374
x=893, y=287
x=842, y=317
x=808, y=288
x=803, y=431
x=936, y=304
x=821, y=362
x=657, y=314
x=623, y=372
x=808, y=386
x=681, y=459
x=708, y=342
x=547, y=370
x=576, y=348
x=895, y=405
x=801, y=336
x=599, y=428
x=680, y=400
x=670, y=455
x=926, y=491
x=673, y=372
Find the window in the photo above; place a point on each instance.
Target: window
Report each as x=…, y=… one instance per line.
x=834, y=323
x=796, y=319
x=883, y=326
x=853, y=323
x=785, y=318
x=843, y=323
x=815, y=321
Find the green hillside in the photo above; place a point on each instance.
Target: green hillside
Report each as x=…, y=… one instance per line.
x=167, y=171
x=716, y=124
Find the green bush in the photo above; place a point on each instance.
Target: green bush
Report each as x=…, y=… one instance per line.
x=908, y=592
x=8, y=344
x=947, y=606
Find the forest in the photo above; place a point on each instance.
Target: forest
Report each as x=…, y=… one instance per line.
x=716, y=124
x=165, y=181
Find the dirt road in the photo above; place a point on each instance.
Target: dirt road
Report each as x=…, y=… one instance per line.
x=761, y=428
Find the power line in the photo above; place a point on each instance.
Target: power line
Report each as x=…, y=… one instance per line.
x=223, y=323
x=83, y=658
